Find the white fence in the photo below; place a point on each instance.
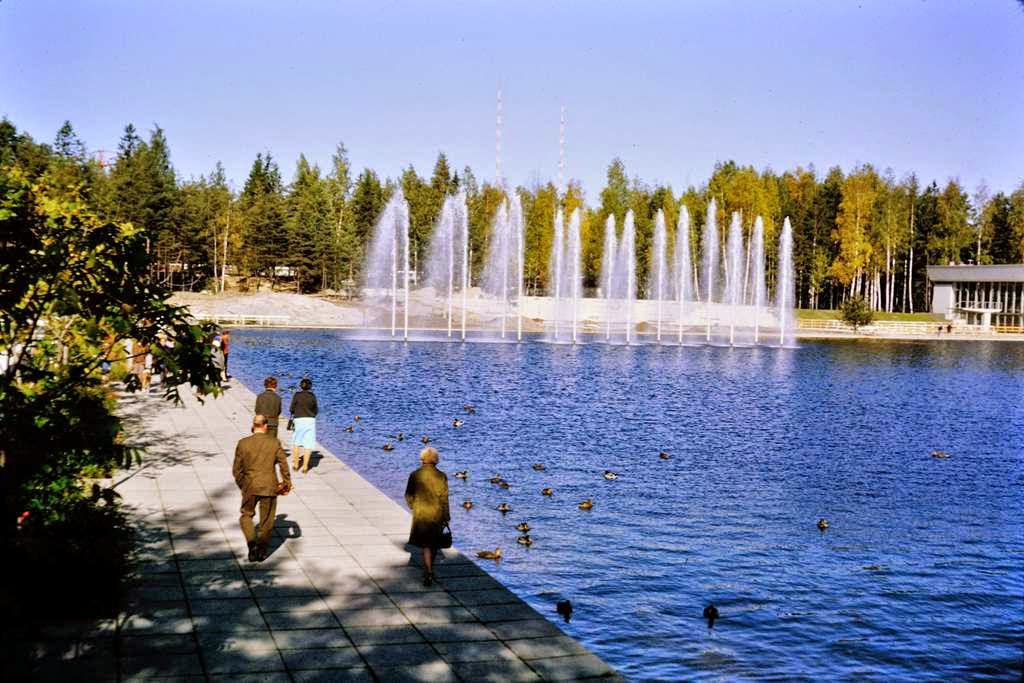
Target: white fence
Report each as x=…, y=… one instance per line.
x=241, y=320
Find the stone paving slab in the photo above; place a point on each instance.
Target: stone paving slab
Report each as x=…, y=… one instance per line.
x=339, y=599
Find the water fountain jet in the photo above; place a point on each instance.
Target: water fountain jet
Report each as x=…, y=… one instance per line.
x=710, y=261
x=656, y=277
x=682, y=264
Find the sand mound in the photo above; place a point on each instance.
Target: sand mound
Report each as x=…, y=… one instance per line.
x=290, y=309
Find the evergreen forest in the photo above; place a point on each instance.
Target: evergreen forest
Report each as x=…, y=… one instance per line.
x=861, y=231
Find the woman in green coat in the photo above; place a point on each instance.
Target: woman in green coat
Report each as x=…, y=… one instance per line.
x=427, y=496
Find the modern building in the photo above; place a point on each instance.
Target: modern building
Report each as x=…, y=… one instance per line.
x=987, y=296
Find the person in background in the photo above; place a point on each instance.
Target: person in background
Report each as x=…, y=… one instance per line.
x=217, y=354
x=268, y=404
x=158, y=371
x=427, y=495
x=303, y=410
x=225, y=343
x=256, y=457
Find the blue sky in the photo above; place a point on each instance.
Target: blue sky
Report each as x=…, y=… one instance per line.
x=671, y=88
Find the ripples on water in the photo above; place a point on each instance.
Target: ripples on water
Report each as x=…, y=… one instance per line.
x=920, y=575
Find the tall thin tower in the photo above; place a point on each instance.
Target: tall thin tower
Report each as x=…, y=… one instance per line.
x=497, y=143
x=561, y=151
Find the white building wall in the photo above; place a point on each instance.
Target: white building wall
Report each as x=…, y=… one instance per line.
x=942, y=298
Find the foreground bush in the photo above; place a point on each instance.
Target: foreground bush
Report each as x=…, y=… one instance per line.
x=73, y=289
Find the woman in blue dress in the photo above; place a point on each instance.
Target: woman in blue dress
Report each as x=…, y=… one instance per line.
x=303, y=411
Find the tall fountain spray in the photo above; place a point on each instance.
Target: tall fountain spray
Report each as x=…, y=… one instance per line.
x=627, y=264
x=462, y=219
x=519, y=229
x=757, y=295
x=734, y=259
x=784, y=288
x=710, y=261
x=383, y=267
x=682, y=265
x=557, y=257
x=608, y=272
x=658, y=278
x=447, y=266
x=572, y=264
x=505, y=244
x=503, y=274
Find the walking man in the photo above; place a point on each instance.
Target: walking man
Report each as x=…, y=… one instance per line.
x=268, y=404
x=256, y=456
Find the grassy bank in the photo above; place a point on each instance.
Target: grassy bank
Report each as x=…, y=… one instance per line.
x=827, y=314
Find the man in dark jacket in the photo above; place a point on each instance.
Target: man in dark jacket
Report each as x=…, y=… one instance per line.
x=255, y=459
x=268, y=404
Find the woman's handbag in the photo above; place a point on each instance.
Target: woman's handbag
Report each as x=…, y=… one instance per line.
x=446, y=537
x=291, y=424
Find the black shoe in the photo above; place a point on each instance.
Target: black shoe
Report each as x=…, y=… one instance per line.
x=253, y=553
x=428, y=579
x=261, y=553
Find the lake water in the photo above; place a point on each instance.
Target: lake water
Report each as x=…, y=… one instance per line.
x=920, y=574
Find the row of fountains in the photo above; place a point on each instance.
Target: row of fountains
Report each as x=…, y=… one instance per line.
x=724, y=299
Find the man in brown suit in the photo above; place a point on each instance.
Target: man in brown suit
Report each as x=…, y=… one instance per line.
x=255, y=459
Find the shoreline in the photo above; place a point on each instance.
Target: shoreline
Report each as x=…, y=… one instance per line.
x=302, y=311
x=489, y=335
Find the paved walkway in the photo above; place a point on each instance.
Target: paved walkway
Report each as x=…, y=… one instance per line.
x=340, y=598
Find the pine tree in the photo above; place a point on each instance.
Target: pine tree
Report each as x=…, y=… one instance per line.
x=368, y=199
x=309, y=227
x=263, y=210
x=67, y=144
x=69, y=166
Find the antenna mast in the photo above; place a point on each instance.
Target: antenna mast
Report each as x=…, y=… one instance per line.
x=497, y=143
x=561, y=152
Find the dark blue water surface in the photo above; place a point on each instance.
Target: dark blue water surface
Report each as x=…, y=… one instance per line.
x=919, y=576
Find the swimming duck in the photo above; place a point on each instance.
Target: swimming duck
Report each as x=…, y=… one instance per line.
x=400, y=436
x=822, y=523
x=469, y=408
x=503, y=484
x=547, y=492
x=388, y=447
x=456, y=423
x=350, y=429
x=586, y=505
x=711, y=614
x=490, y=554
x=468, y=504
x=539, y=466
x=564, y=608
x=425, y=439
x=462, y=475
x=504, y=508
x=496, y=479
x=525, y=540
x=609, y=475
x=663, y=455
x=940, y=455
x=523, y=526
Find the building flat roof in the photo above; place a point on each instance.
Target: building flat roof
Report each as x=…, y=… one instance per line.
x=1013, y=272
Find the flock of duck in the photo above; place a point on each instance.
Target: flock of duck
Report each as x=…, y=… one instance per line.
x=524, y=538
x=563, y=607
